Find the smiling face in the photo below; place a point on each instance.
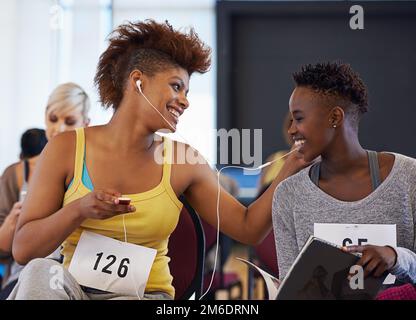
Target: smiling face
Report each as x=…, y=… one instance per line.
x=167, y=91
x=311, y=126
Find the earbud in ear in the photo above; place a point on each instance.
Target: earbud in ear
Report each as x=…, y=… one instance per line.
x=139, y=85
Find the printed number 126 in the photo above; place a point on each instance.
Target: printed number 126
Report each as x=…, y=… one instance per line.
x=122, y=269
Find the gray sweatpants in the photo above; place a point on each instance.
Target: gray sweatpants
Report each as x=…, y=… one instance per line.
x=37, y=281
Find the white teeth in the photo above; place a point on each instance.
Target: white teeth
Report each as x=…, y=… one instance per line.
x=299, y=143
x=174, y=112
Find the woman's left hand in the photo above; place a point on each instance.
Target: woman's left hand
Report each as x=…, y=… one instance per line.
x=375, y=259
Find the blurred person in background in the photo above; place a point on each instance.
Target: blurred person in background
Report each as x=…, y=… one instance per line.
x=12, y=192
x=67, y=109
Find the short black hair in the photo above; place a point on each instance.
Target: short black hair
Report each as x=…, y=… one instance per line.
x=338, y=80
x=32, y=143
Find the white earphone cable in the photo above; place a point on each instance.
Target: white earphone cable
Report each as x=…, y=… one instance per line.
x=132, y=273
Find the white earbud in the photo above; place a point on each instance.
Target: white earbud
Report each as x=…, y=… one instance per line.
x=139, y=85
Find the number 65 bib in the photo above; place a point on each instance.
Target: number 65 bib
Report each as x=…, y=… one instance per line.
x=111, y=265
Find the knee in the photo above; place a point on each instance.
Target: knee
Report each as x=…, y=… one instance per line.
x=35, y=281
x=38, y=268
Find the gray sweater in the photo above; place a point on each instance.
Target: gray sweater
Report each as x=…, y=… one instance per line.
x=298, y=203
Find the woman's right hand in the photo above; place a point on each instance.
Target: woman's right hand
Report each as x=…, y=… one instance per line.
x=11, y=219
x=102, y=204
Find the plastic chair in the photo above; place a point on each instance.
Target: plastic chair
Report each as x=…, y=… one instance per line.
x=186, y=250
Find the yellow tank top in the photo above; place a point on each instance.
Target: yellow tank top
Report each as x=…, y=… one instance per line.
x=156, y=216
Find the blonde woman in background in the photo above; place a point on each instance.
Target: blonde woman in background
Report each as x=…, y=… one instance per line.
x=67, y=109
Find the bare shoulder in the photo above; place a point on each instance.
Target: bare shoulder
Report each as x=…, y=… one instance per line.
x=189, y=166
x=9, y=175
x=186, y=154
x=10, y=170
x=94, y=133
x=61, y=145
x=59, y=153
x=386, y=162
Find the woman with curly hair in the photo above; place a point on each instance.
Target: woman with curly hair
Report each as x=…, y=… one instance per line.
x=144, y=77
x=349, y=184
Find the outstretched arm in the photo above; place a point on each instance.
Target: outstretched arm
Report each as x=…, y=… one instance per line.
x=247, y=225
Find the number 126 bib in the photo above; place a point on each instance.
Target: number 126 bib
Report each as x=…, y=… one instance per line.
x=111, y=265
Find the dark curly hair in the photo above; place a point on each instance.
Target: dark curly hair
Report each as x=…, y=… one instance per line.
x=150, y=47
x=335, y=80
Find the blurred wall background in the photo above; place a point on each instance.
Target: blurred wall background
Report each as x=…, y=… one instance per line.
x=47, y=42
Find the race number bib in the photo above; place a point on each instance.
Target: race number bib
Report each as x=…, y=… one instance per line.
x=358, y=234
x=110, y=265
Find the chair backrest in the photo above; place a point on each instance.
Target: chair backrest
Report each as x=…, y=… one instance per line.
x=210, y=243
x=210, y=235
x=266, y=250
x=186, y=250
x=266, y=253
